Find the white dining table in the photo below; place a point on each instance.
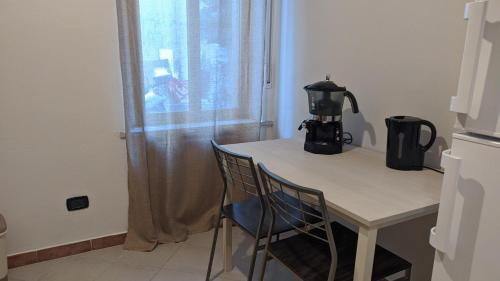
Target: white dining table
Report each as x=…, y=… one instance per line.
x=357, y=186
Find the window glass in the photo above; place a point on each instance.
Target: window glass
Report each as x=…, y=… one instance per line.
x=190, y=52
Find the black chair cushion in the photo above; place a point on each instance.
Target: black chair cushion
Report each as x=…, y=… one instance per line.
x=309, y=258
x=246, y=214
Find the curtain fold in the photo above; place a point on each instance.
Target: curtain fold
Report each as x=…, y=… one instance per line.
x=192, y=71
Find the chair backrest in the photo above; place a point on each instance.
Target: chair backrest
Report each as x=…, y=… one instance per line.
x=238, y=171
x=305, y=199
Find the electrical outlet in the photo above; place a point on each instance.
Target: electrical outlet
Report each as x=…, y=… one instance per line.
x=77, y=203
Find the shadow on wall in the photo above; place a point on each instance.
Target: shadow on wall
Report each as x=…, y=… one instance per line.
x=357, y=125
x=433, y=155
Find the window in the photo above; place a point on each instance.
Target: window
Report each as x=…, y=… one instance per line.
x=194, y=59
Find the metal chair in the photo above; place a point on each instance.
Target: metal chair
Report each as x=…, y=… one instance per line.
x=239, y=172
x=322, y=251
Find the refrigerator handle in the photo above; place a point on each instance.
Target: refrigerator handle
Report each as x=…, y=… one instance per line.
x=475, y=14
x=441, y=234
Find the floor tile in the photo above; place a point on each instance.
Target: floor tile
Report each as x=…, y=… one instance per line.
x=32, y=272
x=202, y=240
x=75, y=269
x=205, y=239
x=236, y=274
x=274, y=270
x=277, y=272
x=157, y=258
x=122, y=272
x=193, y=256
x=173, y=275
x=110, y=254
x=178, y=262
x=193, y=259
x=14, y=279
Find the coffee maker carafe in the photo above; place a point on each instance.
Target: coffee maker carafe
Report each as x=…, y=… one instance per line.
x=324, y=132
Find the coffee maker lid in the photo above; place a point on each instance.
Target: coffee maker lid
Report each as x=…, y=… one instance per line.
x=325, y=86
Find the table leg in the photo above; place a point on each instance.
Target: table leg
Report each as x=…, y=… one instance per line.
x=227, y=244
x=365, y=253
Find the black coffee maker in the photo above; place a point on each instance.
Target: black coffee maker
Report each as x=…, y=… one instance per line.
x=324, y=132
x=404, y=151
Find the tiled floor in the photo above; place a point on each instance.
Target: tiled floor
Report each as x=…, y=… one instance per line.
x=185, y=261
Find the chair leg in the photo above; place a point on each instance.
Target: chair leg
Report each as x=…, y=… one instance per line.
x=255, y=249
x=266, y=250
x=254, y=258
x=263, y=268
x=212, y=251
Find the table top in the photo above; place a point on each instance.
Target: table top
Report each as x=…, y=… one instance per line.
x=356, y=183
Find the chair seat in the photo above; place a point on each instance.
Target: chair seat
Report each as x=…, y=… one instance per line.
x=309, y=258
x=246, y=215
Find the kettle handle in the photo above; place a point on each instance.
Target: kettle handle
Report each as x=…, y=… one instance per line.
x=354, y=103
x=433, y=134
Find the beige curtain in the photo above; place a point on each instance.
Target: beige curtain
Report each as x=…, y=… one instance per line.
x=192, y=71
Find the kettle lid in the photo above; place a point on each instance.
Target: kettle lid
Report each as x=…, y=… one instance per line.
x=404, y=119
x=325, y=86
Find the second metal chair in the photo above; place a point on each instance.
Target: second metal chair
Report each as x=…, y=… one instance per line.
x=250, y=214
x=322, y=251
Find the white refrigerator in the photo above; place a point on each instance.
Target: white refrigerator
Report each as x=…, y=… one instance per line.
x=467, y=232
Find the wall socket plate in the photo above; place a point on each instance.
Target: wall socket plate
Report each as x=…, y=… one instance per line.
x=77, y=203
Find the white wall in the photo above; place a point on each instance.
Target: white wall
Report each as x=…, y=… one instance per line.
x=60, y=111
x=61, y=107
x=397, y=57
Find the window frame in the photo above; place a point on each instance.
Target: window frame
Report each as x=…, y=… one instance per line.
x=195, y=113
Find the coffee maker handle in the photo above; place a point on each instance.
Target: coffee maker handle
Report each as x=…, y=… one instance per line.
x=433, y=134
x=354, y=103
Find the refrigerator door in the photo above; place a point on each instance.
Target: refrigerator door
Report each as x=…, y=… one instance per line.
x=477, y=103
x=467, y=234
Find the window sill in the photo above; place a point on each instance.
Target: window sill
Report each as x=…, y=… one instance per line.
x=200, y=125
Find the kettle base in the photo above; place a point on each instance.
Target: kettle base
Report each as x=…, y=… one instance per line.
x=404, y=168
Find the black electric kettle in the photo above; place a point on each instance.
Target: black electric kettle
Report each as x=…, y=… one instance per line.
x=404, y=151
